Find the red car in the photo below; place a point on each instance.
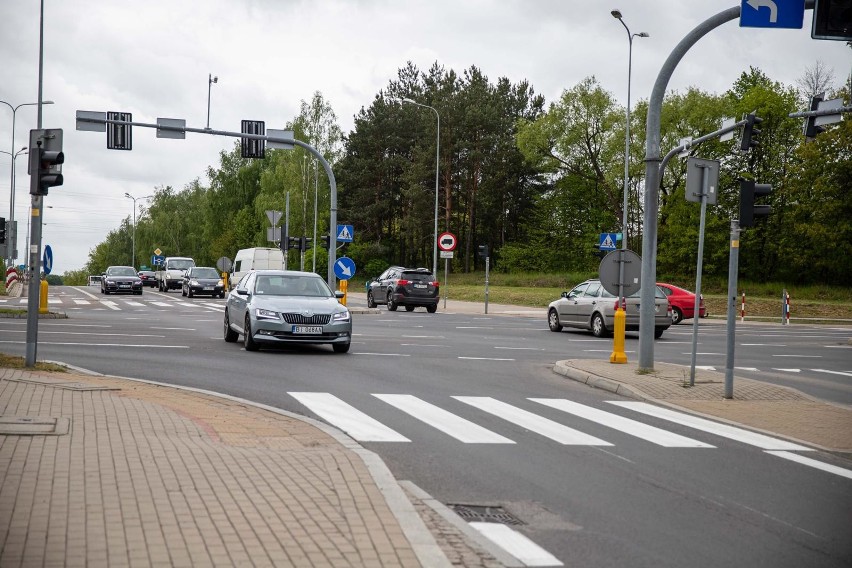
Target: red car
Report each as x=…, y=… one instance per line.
x=682, y=302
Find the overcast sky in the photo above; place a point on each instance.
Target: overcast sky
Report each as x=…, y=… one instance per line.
x=153, y=59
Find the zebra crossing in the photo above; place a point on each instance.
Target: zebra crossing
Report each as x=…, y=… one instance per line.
x=362, y=427
x=116, y=303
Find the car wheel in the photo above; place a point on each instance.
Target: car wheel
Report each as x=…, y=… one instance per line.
x=409, y=308
x=391, y=304
x=553, y=321
x=248, y=340
x=182, y=291
x=371, y=302
x=340, y=347
x=598, y=327
x=658, y=332
x=432, y=309
x=189, y=293
x=230, y=335
x=677, y=316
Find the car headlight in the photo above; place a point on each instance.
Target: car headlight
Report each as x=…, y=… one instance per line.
x=193, y=282
x=220, y=283
x=340, y=316
x=265, y=314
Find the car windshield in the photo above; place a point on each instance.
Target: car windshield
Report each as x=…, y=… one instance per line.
x=287, y=285
x=180, y=264
x=205, y=273
x=121, y=271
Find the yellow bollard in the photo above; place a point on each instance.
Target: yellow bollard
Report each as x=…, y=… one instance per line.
x=618, y=355
x=42, y=297
x=344, y=287
x=225, y=281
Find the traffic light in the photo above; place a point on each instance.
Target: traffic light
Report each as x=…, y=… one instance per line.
x=749, y=191
x=482, y=251
x=2, y=230
x=326, y=241
x=811, y=129
x=49, y=170
x=304, y=243
x=750, y=133
x=832, y=20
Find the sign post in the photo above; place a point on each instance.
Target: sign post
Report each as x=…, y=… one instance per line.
x=447, y=243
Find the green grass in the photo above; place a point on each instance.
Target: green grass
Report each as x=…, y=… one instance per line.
x=12, y=362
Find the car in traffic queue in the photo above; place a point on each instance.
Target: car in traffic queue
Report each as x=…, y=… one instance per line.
x=200, y=280
x=148, y=277
x=589, y=306
x=120, y=279
x=407, y=287
x=682, y=302
x=286, y=307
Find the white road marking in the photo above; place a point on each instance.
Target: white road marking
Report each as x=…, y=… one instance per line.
x=814, y=463
x=134, y=304
x=347, y=418
x=485, y=359
x=789, y=370
x=145, y=346
x=752, y=369
x=529, y=421
x=81, y=302
x=800, y=356
x=634, y=428
x=762, y=345
x=111, y=305
x=516, y=544
x=447, y=422
x=521, y=348
x=384, y=354
x=162, y=304
x=724, y=430
x=841, y=373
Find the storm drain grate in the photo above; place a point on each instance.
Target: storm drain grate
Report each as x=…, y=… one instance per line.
x=34, y=425
x=485, y=514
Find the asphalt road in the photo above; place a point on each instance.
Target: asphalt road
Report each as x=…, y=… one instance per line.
x=470, y=394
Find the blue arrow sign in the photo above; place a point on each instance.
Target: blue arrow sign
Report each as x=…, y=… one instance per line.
x=345, y=233
x=788, y=14
x=344, y=268
x=608, y=241
x=47, y=259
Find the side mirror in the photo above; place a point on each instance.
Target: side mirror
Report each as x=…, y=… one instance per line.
x=338, y=294
x=241, y=291
x=565, y=295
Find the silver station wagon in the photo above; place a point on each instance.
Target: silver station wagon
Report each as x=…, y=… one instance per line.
x=589, y=306
x=278, y=307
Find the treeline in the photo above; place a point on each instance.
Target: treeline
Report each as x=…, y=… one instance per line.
x=538, y=183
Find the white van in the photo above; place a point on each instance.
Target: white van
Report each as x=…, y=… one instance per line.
x=258, y=258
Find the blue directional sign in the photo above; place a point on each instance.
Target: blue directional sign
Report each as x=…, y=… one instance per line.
x=345, y=233
x=47, y=259
x=772, y=14
x=157, y=259
x=344, y=268
x=608, y=241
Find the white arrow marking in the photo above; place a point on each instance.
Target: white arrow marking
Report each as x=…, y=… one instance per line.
x=344, y=269
x=773, y=8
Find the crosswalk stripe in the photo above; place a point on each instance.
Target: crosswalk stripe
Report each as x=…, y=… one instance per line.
x=814, y=463
x=539, y=424
x=516, y=544
x=134, y=304
x=447, y=422
x=628, y=426
x=162, y=304
x=349, y=419
x=212, y=305
x=111, y=305
x=81, y=302
x=724, y=430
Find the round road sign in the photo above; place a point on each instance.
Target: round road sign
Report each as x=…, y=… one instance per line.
x=447, y=241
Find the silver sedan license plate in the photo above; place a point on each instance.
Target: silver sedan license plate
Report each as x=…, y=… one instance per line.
x=307, y=329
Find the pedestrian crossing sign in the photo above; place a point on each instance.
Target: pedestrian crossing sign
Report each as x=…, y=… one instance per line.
x=608, y=241
x=345, y=233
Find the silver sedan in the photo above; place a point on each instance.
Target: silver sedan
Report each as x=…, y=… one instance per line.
x=278, y=307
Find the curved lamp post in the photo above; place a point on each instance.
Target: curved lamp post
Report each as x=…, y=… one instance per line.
x=12, y=191
x=133, y=253
x=437, y=167
x=617, y=15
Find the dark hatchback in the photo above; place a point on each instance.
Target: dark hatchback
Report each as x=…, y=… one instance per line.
x=408, y=287
x=202, y=280
x=121, y=279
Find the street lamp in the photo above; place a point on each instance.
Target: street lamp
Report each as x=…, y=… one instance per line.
x=210, y=80
x=617, y=15
x=12, y=190
x=133, y=250
x=437, y=167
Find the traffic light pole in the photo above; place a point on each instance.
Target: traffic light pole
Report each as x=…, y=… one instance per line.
x=34, y=270
x=731, y=325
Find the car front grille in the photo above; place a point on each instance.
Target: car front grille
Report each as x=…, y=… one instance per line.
x=299, y=319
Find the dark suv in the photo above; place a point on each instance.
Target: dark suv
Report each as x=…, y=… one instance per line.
x=409, y=287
